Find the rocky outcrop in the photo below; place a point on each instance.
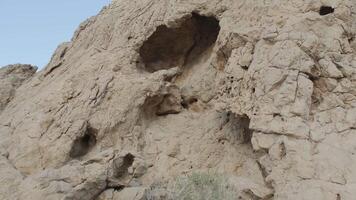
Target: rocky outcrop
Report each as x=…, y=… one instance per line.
x=260, y=91
x=11, y=77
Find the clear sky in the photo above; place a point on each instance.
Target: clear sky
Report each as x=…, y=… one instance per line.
x=30, y=30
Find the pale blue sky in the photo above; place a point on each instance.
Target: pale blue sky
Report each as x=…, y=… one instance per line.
x=30, y=30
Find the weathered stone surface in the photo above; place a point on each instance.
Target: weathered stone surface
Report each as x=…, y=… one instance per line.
x=11, y=77
x=261, y=91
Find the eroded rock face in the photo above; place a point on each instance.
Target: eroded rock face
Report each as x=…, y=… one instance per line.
x=261, y=91
x=11, y=77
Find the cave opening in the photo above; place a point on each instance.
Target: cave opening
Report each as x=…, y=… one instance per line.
x=82, y=145
x=175, y=47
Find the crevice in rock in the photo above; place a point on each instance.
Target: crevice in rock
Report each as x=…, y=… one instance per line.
x=169, y=105
x=150, y=107
x=249, y=194
x=83, y=144
x=223, y=54
x=238, y=128
x=338, y=197
x=50, y=70
x=319, y=90
x=117, y=188
x=263, y=170
x=123, y=164
x=171, y=47
x=246, y=132
x=325, y=10
x=188, y=101
x=283, y=151
x=166, y=103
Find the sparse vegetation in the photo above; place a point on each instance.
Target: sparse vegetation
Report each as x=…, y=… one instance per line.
x=197, y=186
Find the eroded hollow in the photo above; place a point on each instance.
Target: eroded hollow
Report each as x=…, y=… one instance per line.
x=171, y=47
x=163, y=104
x=82, y=145
x=238, y=127
x=123, y=164
x=325, y=10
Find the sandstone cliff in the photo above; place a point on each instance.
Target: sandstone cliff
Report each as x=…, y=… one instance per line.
x=263, y=92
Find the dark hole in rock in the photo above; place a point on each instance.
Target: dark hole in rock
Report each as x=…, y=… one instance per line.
x=238, y=129
x=83, y=144
x=338, y=197
x=277, y=115
x=118, y=188
x=188, y=101
x=123, y=165
x=324, y=10
x=246, y=133
x=244, y=67
x=283, y=150
x=171, y=47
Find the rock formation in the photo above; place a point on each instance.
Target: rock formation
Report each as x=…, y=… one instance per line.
x=146, y=91
x=11, y=77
